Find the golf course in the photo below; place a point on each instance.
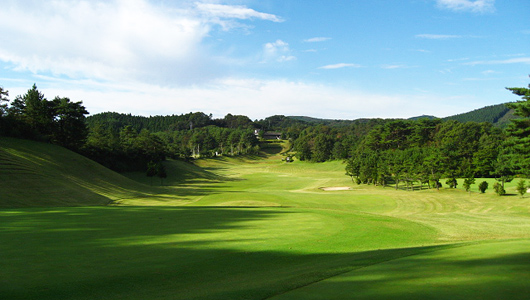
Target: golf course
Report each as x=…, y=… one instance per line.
x=248, y=227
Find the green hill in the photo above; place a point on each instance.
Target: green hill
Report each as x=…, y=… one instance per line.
x=40, y=174
x=499, y=115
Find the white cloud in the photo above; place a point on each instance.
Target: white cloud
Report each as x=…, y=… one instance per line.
x=518, y=60
x=476, y=6
x=437, y=36
x=117, y=40
x=398, y=66
x=251, y=97
x=488, y=72
x=339, y=66
x=317, y=39
x=277, y=51
x=235, y=11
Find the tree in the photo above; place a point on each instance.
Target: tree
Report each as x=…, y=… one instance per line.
x=521, y=187
x=323, y=145
x=151, y=170
x=451, y=182
x=3, y=98
x=352, y=169
x=468, y=182
x=483, y=186
x=519, y=129
x=161, y=172
x=504, y=166
x=499, y=189
x=70, y=128
x=302, y=147
x=38, y=111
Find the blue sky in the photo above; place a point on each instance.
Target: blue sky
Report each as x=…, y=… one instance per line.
x=328, y=59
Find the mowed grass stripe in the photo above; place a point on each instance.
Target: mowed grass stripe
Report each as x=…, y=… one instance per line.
x=246, y=228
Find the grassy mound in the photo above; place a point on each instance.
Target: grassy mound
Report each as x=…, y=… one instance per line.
x=40, y=174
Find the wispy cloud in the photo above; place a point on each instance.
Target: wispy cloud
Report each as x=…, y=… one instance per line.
x=437, y=36
x=339, y=66
x=518, y=60
x=489, y=72
x=475, y=6
x=317, y=39
x=277, y=51
x=395, y=66
x=235, y=12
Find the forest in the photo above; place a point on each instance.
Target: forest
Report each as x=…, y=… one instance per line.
x=375, y=151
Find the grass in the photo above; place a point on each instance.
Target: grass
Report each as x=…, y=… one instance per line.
x=248, y=228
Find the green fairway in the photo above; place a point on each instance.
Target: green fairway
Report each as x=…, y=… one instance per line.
x=247, y=228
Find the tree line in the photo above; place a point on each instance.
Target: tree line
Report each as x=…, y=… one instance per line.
x=418, y=153
x=32, y=116
x=124, y=142
x=378, y=151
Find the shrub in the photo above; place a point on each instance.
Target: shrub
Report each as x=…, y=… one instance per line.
x=499, y=189
x=483, y=186
x=521, y=187
x=451, y=182
x=468, y=182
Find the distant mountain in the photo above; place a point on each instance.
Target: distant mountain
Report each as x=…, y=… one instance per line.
x=423, y=117
x=328, y=122
x=309, y=119
x=499, y=115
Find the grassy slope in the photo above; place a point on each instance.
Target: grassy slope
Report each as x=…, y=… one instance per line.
x=40, y=174
x=253, y=228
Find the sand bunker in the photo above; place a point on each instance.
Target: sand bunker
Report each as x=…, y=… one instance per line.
x=336, y=188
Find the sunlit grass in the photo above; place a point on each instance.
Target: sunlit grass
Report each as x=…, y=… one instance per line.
x=249, y=228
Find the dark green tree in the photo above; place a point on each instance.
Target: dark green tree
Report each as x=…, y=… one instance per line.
x=4, y=94
x=519, y=129
x=521, y=187
x=323, y=145
x=483, y=186
x=468, y=182
x=151, y=170
x=70, y=128
x=161, y=172
x=38, y=111
x=499, y=189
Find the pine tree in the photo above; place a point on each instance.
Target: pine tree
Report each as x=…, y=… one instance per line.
x=519, y=129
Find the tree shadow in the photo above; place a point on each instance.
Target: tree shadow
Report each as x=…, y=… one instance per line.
x=204, y=253
x=444, y=273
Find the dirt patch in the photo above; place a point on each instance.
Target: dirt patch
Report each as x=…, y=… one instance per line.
x=336, y=188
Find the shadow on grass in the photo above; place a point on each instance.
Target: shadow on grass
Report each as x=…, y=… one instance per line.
x=192, y=253
x=479, y=271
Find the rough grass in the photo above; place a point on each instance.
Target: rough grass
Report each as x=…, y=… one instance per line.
x=249, y=228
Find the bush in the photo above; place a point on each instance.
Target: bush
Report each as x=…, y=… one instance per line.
x=483, y=186
x=468, y=182
x=521, y=187
x=451, y=182
x=499, y=189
